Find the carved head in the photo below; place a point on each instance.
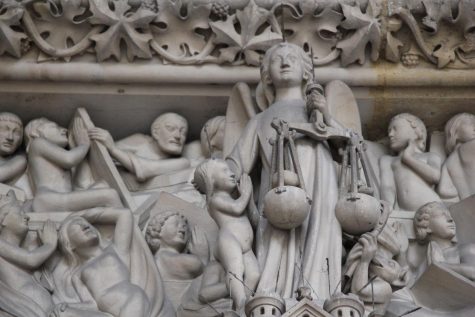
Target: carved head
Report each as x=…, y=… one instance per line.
x=75, y=233
x=433, y=220
x=389, y=270
x=168, y=228
x=214, y=174
x=212, y=136
x=11, y=133
x=285, y=65
x=169, y=130
x=459, y=129
x=404, y=128
x=12, y=216
x=49, y=130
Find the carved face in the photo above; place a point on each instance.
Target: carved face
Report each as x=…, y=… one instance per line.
x=441, y=224
x=400, y=132
x=55, y=134
x=387, y=269
x=16, y=221
x=82, y=234
x=466, y=130
x=170, y=134
x=174, y=232
x=11, y=134
x=224, y=178
x=286, y=69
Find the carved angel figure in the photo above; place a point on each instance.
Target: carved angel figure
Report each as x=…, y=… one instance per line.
x=292, y=258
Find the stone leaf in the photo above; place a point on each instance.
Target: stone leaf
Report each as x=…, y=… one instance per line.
x=245, y=42
x=176, y=26
x=10, y=40
x=366, y=31
x=123, y=25
x=311, y=29
x=49, y=21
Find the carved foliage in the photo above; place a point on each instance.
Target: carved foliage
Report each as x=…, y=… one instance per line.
x=312, y=27
x=67, y=17
x=177, y=27
x=220, y=31
x=10, y=40
x=364, y=29
x=442, y=32
x=243, y=34
x=122, y=25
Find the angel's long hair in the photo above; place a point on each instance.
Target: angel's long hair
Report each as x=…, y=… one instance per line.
x=266, y=90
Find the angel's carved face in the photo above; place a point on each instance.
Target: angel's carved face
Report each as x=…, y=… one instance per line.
x=286, y=68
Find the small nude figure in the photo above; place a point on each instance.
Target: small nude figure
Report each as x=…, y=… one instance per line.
x=215, y=179
x=408, y=179
x=435, y=227
x=101, y=269
x=212, y=137
x=376, y=276
x=149, y=156
x=457, y=180
x=22, y=295
x=12, y=164
x=168, y=237
x=50, y=165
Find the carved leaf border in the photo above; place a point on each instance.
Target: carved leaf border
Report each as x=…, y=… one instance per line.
x=118, y=27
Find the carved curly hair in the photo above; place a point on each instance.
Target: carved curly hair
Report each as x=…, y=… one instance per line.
x=418, y=126
x=422, y=220
x=154, y=228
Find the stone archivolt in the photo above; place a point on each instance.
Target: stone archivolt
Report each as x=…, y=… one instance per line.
x=238, y=32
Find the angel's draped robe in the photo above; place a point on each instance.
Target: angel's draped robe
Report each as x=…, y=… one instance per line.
x=290, y=259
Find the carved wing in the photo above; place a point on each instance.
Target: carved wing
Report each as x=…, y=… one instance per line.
x=240, y=109
x=342, y=105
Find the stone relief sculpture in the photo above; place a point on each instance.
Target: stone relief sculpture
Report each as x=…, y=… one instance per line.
x=297, y=137
x=340, y=30
x=146, y=157
x=13, y=163
x=408, y=179
x=22, y=294
x=50, y=165
x=168, y=235
x=215, y=179
x=212, y=137
x=180, y=254
x=458, y=175
x=299, y=254
x=101, y=269
x=155, y=163
x=435, y=228
x=98, y=277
